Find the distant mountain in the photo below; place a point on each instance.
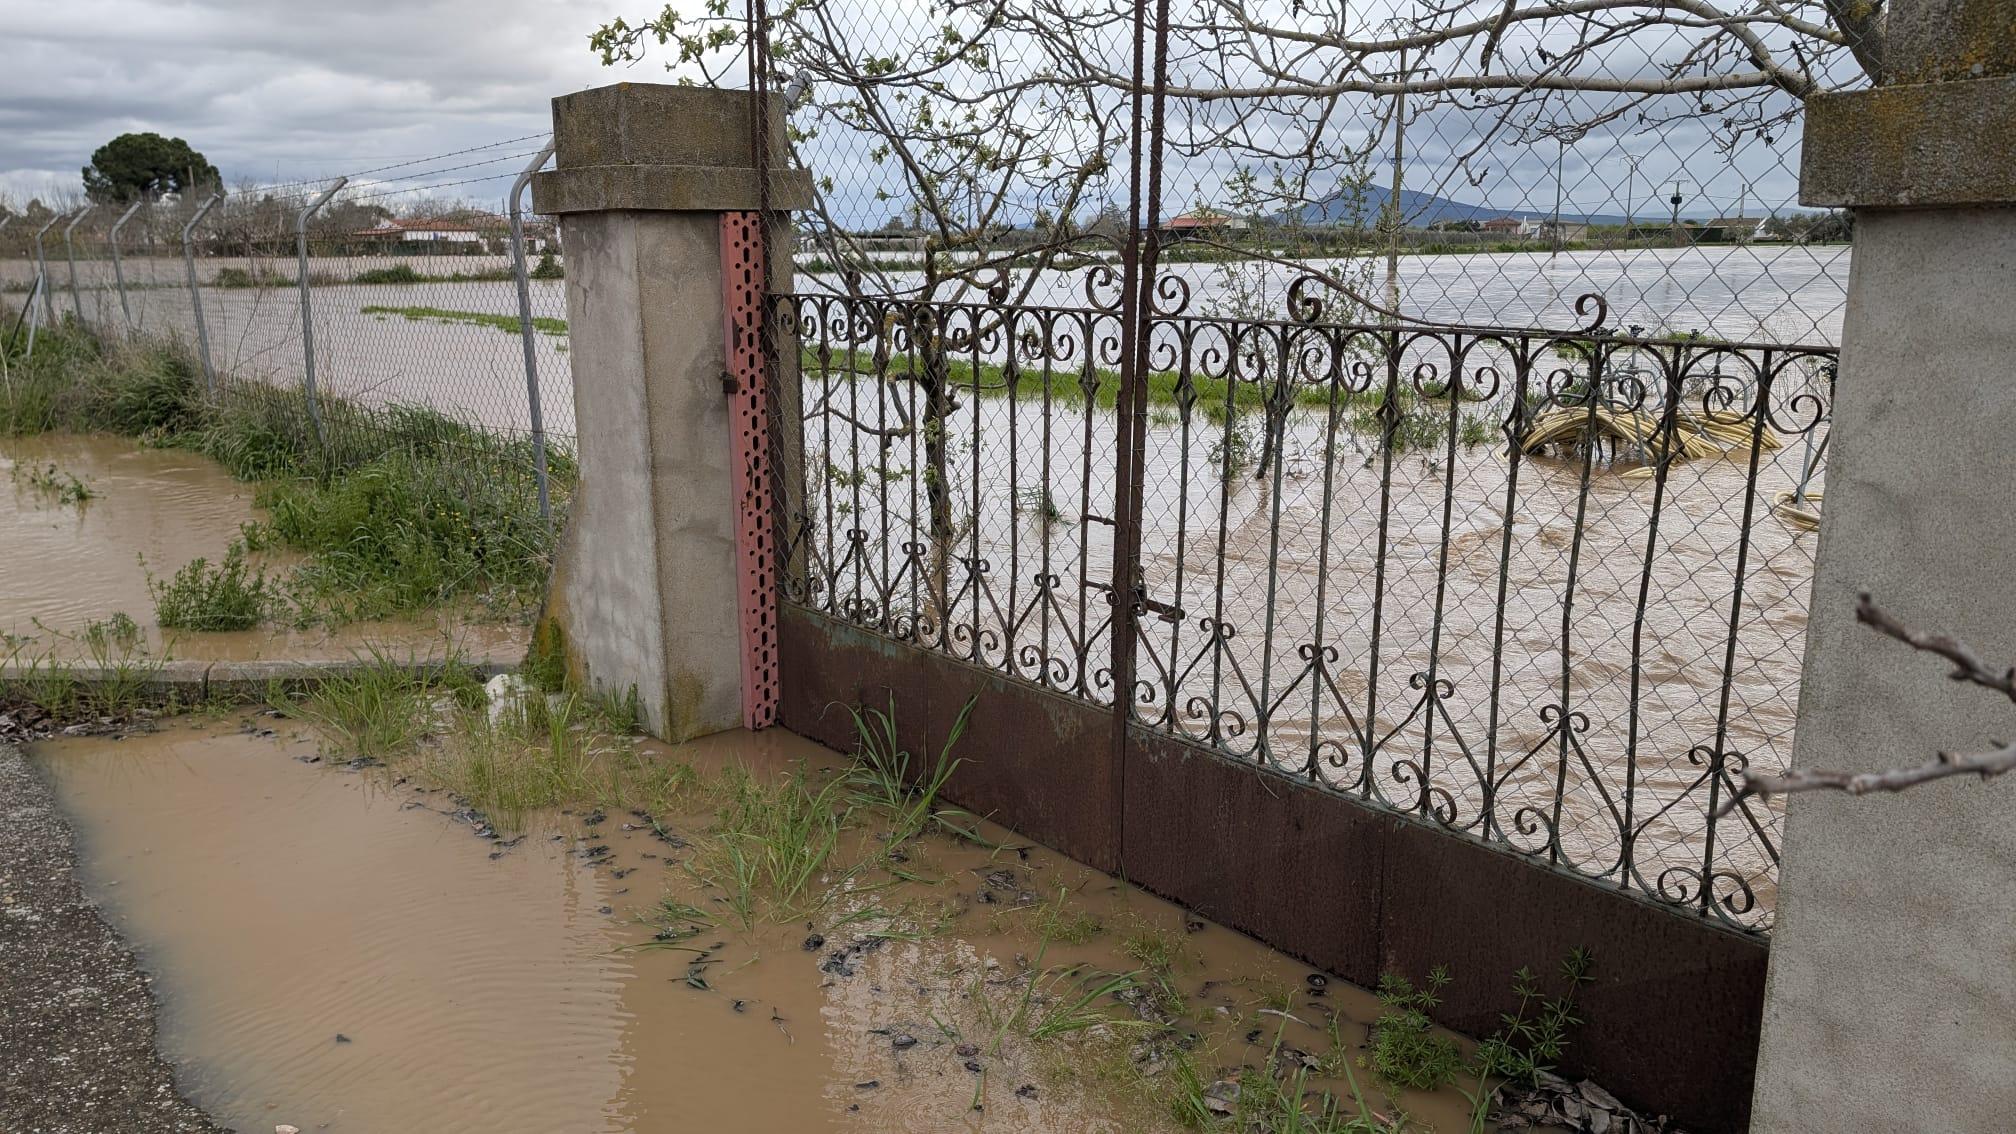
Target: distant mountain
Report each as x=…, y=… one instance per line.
x=1424, y=209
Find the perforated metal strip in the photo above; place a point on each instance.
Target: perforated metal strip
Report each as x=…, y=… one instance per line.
x=750, y=454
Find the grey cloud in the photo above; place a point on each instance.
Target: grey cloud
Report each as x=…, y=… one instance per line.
x=287, y=91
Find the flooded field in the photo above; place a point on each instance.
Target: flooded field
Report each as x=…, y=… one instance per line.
x=475, y=370
x=338, y=950
x=67, y=562
x=1546, y=649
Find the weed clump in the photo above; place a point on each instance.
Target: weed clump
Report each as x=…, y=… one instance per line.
x=402, y=533
x=1406, y=1052
x=232, y=595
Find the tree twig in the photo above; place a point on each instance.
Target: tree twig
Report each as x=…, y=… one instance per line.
x=1967, y=667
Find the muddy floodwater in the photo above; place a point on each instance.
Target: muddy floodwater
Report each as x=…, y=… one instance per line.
x=67, y=563
x=338, y=951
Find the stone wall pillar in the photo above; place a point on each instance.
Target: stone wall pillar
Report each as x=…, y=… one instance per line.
x=645, y=593
x=1891, y=1000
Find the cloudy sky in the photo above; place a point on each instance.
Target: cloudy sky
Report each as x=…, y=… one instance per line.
x=286, y=90
x=281, y=91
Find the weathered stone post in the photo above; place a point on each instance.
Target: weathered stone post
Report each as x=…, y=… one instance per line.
x=1891, y=1000
x=646, y=594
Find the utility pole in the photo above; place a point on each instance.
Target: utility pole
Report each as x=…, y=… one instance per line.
x=1630, y=214
x=1395, y=218
x=1679, y=239
x=1560, y=162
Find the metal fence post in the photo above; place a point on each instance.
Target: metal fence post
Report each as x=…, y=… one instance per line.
x=196, y=294
x=307, y=310
x=526, y=330
x=42, y=268
x=70, y=255
x=119, y=269
x=28, y=313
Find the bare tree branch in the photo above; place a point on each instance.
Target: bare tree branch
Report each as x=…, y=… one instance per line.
x=1967, y=667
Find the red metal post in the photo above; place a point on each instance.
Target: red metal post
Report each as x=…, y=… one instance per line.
x=742, y=278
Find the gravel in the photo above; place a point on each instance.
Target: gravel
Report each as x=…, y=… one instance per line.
x=77, y=1025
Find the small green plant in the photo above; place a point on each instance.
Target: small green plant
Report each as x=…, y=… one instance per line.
x=1477, y=431
x=674, y=921
x=547, y=268
x=882, y=776
x=233, y=595
x=1535, y=1033
x=1406, y=1052
x=1234, y=450
x=1074, y=1000
x=1155, y=948
x=381, y=705
x=770, y=844
x=1038, y=502
x=114, y=647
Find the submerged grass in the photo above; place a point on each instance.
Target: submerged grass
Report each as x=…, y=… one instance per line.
x=544, y=324
x=53, y=483
x=398, y=508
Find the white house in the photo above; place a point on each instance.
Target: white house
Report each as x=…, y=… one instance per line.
x=395, y=230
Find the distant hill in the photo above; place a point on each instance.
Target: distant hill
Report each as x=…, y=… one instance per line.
x=1424, y=209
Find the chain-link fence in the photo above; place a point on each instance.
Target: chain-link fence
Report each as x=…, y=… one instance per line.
x=358, y=314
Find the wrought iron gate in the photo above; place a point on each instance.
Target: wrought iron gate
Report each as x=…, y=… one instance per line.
x=1497, y=614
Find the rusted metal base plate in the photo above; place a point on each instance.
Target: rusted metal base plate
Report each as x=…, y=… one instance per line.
x=1034, y=761
x=1671, y=1020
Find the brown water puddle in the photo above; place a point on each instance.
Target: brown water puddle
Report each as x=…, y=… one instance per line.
x=66, y=565
x=478, y=984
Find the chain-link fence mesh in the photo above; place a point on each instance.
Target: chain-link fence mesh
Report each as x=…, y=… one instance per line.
x=414, y=335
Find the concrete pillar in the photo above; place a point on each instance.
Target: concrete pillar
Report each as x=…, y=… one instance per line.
x=645, y=597
x=1891, y=999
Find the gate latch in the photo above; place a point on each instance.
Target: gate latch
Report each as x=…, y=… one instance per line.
x=1167, y=612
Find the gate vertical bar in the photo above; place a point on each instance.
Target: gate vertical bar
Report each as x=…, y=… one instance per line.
x=196, y=293
x=118, y=267
x=525, y=332
x=307, y=309
x=70, y=256
x=1136, y=311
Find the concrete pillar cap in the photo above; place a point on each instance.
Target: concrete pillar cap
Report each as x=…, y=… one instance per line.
x=656, y=146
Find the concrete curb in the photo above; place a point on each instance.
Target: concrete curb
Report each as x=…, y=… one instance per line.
x=192, y=682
